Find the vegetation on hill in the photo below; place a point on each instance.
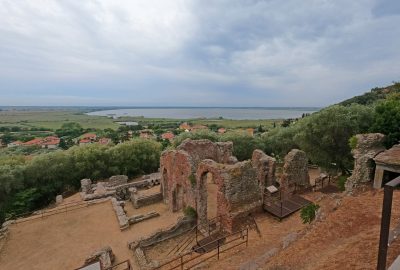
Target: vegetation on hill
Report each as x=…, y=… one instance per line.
x=29, y=183
x=376, y=94
x=26, y=185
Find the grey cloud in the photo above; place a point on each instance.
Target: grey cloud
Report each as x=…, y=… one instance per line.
x=231, y=53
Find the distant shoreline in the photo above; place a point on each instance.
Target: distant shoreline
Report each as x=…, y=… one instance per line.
x=233, y=113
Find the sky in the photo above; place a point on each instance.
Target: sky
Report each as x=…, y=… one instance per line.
x=196, y=52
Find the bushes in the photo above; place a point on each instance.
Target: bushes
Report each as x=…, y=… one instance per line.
x=190, y=212
x=342, y=181
x=308, y=212
x=26, y=186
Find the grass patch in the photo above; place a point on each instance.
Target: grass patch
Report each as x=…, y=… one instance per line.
x=342, y=181
x=308, y=212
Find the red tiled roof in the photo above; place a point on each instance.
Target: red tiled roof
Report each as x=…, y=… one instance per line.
x=54, y=141
x=88, y=136
x=85, y=141
x=36, y=141
x=167, y=136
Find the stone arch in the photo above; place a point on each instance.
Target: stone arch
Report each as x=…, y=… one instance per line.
x=178, y=198
x=205, y=169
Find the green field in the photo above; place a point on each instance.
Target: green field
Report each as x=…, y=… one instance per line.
x=227, y=123
x=53, y=119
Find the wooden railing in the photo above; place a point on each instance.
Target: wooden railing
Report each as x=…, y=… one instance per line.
x=207, y=226
x=62, y=209
x=192, y=259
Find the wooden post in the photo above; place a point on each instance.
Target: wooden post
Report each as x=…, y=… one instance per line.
x=218, y=249
x=247, y=237
x=385, y=222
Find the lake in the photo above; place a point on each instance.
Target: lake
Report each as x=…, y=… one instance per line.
x=203, y=112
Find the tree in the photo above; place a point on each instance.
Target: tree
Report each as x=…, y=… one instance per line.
x=387, y=120
x=324, y=135
x=279, y=141
x=243, y=144
x=198, y=135
x=70, y=129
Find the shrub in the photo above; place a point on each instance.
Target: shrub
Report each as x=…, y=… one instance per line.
x=192, y=180
x=190, y=212
x=342, y=181
x=307, y=213
x=353, y=142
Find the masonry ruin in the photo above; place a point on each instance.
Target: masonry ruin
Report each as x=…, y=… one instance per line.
x=206, y=177
x=295, y=173
x=367, y=147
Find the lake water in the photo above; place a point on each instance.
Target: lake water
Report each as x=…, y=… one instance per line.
x=227, y=113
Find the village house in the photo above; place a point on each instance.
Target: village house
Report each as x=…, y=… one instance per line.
x=185, y=126
x=33, y=142
x=50, y=142
x=14, y=144
x=168, y=136
x=221, y=130
x=85, y=142
x=89, y=136
x=146, y=134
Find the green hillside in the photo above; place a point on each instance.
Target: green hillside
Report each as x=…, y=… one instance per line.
x=376, y=94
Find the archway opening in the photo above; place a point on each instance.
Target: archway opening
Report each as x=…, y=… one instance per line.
x=177, y=198
x=212, y=191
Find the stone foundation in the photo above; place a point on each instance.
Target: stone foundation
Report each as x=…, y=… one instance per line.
x=140, y=201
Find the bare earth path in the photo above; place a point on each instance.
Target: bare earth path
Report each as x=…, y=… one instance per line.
x=346, y=239
x=63, y=241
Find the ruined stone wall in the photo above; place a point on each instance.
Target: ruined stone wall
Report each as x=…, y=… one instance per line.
x=199, y=150
x=238, y=191
x=265, y=167
x=295, y=172
x=177, y=170
x=367, y=147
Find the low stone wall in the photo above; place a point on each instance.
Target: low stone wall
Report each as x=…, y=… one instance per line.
x=139, y=201
x=104, y=255
x=183, y=225
x=139, y=218
x=120, y=213
x=4, y=233
x=117, y=180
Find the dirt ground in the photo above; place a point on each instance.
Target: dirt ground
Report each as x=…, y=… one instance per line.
x=63, y=241
x=347, y=238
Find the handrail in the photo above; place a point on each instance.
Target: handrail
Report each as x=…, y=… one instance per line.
x=194, y=228
x=182, y=262
x=54, y=211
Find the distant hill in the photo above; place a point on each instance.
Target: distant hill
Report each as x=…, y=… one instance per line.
x=377, y=93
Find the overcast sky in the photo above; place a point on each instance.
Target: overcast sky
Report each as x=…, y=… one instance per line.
x=196, y=53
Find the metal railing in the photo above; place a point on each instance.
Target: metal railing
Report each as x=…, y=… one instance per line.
x=187, y=260
x=206, y=226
